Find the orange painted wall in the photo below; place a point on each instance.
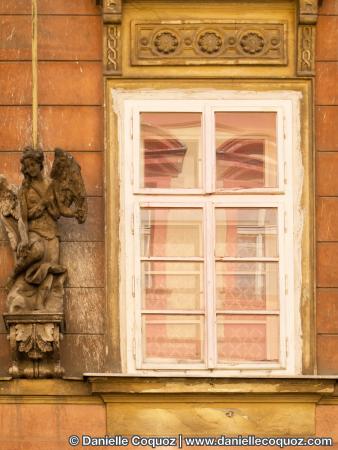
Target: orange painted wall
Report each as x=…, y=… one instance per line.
x=70, y=116
x=47, y=427
x=326, y=108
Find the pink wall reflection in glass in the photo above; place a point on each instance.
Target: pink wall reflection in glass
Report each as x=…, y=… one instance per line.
x=171, y=148
x=246, y=152
x=247, y=338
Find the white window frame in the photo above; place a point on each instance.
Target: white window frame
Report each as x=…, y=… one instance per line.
x=285, y=197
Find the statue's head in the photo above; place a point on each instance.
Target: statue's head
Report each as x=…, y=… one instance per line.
x=31, y=159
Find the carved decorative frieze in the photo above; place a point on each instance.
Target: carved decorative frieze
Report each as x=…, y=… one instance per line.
x=199, y=42
x=35, y=344
x=306, y=50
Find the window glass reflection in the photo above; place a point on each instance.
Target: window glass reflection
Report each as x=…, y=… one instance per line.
x=172, y=285
x=246, y=151
x=246, y=232
x=171, y=150
x=173, y=338
x=247, y=338
x=247, y=286
x=171, y=232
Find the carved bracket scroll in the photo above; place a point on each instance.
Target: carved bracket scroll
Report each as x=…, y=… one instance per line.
x=214, y=42
x=306, y=50
x=307, y=19
x=112, y=17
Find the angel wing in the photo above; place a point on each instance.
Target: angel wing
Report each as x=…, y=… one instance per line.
x=9, y=211
x=69, y=186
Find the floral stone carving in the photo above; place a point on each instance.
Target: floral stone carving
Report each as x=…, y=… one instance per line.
x=202, y=42
x=209, y=42
x=252, y=43
x=36, y=286
x=35, y=344
x=165, y=42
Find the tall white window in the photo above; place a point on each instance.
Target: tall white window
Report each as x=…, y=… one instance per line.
x=207, y=234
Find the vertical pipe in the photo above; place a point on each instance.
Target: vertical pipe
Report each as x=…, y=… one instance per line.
x=34, y=74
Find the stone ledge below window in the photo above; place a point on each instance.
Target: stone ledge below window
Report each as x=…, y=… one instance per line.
x=130, y=384
x=191, y=406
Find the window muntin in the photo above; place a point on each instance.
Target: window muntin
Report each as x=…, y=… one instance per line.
x=256, y=261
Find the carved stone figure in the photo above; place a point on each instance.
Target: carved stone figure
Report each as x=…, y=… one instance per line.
x=30, y=217
x=36, y=286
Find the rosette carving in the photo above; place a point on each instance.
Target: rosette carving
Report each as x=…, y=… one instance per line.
x=252, y=43
x=209, y=42
x=166, y=42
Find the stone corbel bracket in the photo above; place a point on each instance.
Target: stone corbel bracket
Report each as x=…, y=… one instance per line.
x=112, y=18
x=307, y=19
x=35, y=344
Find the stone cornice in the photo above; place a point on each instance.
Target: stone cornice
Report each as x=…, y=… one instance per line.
x=307, y=12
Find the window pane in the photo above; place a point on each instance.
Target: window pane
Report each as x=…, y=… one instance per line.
x=247, y=286
x=177, y=285
x=171, y=232
x=171, y=150
x=246, y=151
x=172, y=338
x=247, y=338
x=246, y=232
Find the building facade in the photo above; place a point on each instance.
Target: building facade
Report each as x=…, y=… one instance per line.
x=202, y=290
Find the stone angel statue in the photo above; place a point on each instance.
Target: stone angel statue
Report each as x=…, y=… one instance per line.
x=29, y=215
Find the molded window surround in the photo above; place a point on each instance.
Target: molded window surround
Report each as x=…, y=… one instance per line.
x=210, y=232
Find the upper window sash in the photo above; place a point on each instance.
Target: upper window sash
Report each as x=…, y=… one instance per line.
x=207, y=158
